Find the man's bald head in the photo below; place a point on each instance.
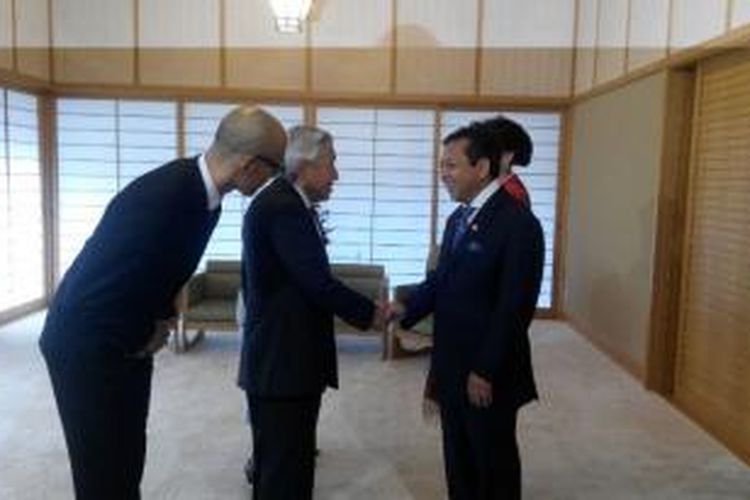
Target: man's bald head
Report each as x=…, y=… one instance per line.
x=250, y=131
x=248, y=148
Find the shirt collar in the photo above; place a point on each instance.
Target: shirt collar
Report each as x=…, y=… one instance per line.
x=212, y=192
x=479, y=200
x=305, y=199
x=268, y=182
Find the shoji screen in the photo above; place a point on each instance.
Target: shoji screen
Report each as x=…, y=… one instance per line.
x=381, y=206
x=540, y=178
x=21, y=222
x=147, y=137
x=103, y=144
x=201, y=120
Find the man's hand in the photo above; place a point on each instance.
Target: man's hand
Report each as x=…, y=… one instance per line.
x=479, y=390
x=430, y=405
x=158, y=338
x=430, y=410
x=380, y=316
x=396, y=310
x=385, y=313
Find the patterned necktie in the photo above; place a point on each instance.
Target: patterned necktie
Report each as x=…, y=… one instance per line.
x=462, y=224
x=318, y=225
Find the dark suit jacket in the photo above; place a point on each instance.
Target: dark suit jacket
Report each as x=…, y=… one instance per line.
x=290, y=298
x=127, y=275
x=484, y=295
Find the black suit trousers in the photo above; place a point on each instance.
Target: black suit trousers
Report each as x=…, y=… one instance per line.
x=283, y=446
x=103, y=405
x=480, y=452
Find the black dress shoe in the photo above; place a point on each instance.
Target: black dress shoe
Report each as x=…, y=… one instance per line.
x=249, y=470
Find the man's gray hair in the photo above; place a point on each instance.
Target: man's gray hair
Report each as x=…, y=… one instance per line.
x=305, y=144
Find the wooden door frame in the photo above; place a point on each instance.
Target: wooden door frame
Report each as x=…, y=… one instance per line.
x=680, y=106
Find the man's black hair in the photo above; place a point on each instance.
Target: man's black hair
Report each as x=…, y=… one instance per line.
x=481, y=144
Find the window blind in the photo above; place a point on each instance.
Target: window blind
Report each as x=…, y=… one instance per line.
x=201, y=120
x=380, y=209
x=21, y=218
x=103, y=144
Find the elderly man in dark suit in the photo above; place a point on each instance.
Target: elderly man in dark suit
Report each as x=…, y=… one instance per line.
x=483, y=294
x=289, y=352
x=113, y=307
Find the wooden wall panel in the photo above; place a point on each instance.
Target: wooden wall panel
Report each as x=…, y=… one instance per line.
x=179, y=42
x=352, y=56
x=713, y=374
x=6, y=34
x=94, y=66
x=179, y=67
x=351, y=71
x=740, y=13
x=695, y=21
x=436, y=47
x=257, y=56
x=93, y=41
x=435, y=71
x=586, y=40
x=612, y=40
x=33, y=38
x=527, y=47
x=526, y=71
x=649, y=30
x=266, y=69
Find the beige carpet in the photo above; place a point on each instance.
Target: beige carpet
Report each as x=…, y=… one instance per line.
x=595, y=434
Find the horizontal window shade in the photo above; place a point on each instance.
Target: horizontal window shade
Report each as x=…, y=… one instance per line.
x=147, y=137
x=6, y=291
x=21, y=217
x=381, y=207
x=87, y=169
x=103, y=144
x=379, y=211
x=201, y=120
x=539, y=177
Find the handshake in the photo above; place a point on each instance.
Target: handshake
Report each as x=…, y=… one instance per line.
x=386, y=313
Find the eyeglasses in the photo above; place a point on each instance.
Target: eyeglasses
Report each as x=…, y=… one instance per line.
x=270, y=162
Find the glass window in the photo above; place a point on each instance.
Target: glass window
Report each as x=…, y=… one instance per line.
x=21, y=216
x=380, y=208
x=102, y=145
x=201, y=120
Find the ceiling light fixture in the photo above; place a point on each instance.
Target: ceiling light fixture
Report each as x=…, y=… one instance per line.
x=290, y=14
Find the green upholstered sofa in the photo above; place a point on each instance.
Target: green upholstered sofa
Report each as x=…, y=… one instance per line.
x=368, y=279
x=209, y=300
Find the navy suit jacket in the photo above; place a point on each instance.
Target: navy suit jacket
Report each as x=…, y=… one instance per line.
x=290, y=298
x=145, y=247
x=483, y=295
